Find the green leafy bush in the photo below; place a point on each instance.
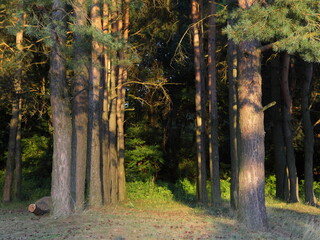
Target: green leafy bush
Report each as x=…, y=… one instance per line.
x=270, y=188
x=148, y=191
x=184, y=190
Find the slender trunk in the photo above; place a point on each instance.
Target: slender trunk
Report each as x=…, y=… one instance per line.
x=213, y=109
x=7, y=189
x=287, y=108
x=233, y=117
x=95, y=187
x=308, y=138
x=252, y=210
x=61, y=121
x=18, y=90
x=105, y=112
x=200, y=123
x=79, y=109
x=18, y=159
x=277, y=132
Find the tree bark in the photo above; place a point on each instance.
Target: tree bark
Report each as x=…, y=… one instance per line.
x=79, y=109
x=61, y=120
x=308, y=137
x=200, y=122
x=277, y=133
x=94, y=147
x=213, y=109
x=233, y=118
x=287, y=108
x=252, y=210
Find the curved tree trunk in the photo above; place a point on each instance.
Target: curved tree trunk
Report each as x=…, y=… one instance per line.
x=308, y=137
x=61, y=120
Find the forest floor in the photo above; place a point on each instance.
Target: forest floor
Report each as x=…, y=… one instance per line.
x=160, y=220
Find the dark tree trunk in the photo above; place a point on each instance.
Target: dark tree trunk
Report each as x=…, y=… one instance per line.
x=61, y=120
x=252, y=210
x=7, y=189
x=79, y=109
x=233, y=120
x=213, y=109
x=308, y=137
x=287, y=108
x=200, y=118
x=277, y=132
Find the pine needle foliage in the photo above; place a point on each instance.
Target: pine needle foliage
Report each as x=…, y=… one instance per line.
x=291, y=25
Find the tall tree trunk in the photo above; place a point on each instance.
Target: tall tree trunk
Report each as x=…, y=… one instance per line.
x=213, y=109
x=79, y=109
x=113, y=150
x=94, y=147
x=12, y=183
x=308, y=137
x=252, y=210
x=287, y=109
x=277, y=132
x=7, y=189
x=19, y=75
x=123, y=75
x=200, y=123
x=61, y=120
x=233, y=117
x=105, y=112
x=18, y=158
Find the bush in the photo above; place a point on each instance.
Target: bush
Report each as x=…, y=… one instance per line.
x=148, y=190
x=184, y=190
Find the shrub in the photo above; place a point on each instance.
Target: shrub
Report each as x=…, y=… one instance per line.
x=148, y=190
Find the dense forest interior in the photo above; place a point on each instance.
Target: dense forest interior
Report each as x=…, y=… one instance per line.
x=213, y=100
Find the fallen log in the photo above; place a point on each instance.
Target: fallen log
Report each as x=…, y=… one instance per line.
x=41, y=206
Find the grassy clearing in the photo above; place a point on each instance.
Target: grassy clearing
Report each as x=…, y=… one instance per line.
x=150, y=219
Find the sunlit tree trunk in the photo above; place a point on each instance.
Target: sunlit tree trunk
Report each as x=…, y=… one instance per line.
x=287, y=128
x=200, y=122
x=123, y=75
x=113, y=150
x=105, y=112
x=213, y=109
x=61, y=120
x=94, y=147
x=308, y=137
x=79, y=108
x=252, y=210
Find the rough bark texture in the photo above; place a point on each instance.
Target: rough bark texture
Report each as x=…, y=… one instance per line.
x=200, y=123
x=61, y=120
x=94, y=153
x=308, y=137
x=213, y=109
x=287, y=128
x=41, y=206
x=277, y=132
x=79, y=109
x=252, y=210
